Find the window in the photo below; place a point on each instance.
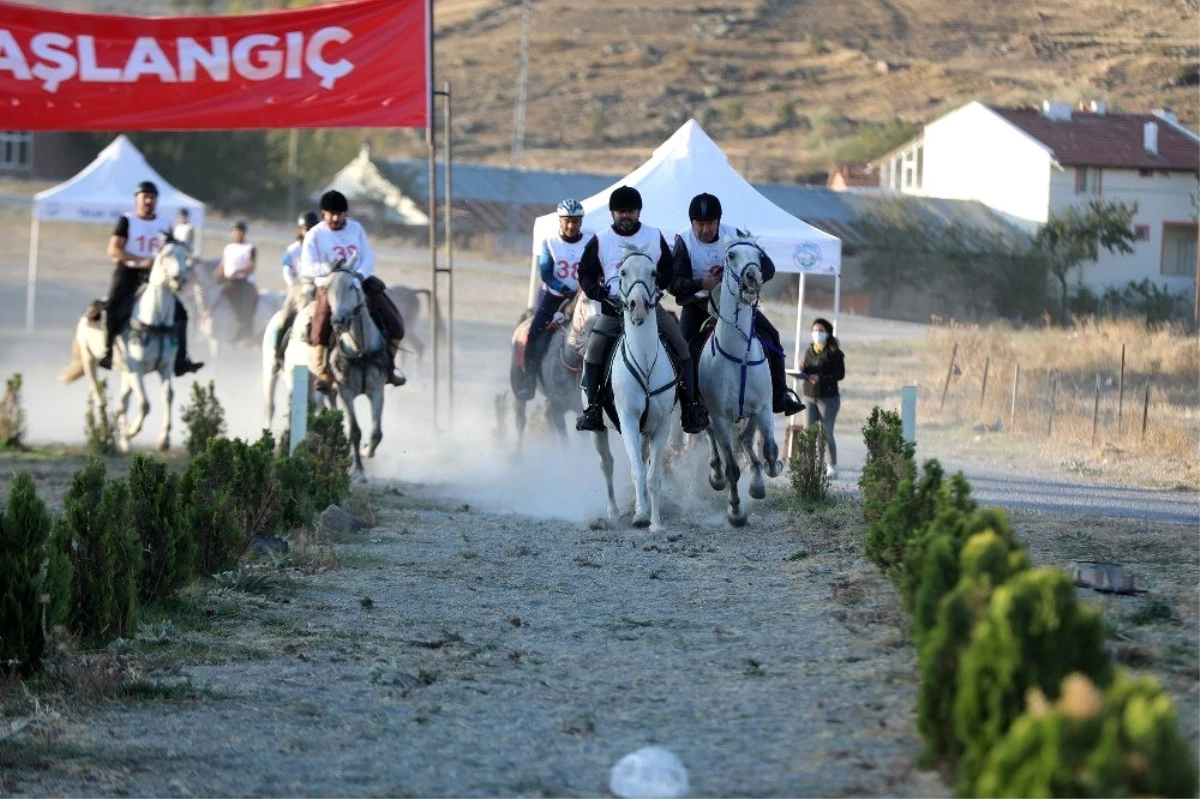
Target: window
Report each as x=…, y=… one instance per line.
x=16, y=150
x=1179, y=250
x=1141, y=233
x=1087, y=180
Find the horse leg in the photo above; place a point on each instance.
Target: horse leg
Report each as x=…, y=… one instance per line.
x=606, y=466
x=376, y=420
x=632, y=439
x=734, y=514
x=716, y=477
x=657, y=446
x=123, y=423
x=519, y=414
x=355, y=433
x=270, y=375
x=770, y=449
x=758, y=489
x=168, y=397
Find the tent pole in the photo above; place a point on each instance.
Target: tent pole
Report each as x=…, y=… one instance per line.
x=798, y=358
x=31, y=289
x=837, y=298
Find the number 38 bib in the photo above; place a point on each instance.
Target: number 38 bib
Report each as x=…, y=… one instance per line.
x=566, y=257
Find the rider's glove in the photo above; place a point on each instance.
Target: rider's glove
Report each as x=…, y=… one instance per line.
x=559, y=318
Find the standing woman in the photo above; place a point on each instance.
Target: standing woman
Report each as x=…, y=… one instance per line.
x=824, y=367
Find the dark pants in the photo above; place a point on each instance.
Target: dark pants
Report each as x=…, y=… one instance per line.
x=539, y=333
x=122, y=293
x=379, y=305
x=242, y=297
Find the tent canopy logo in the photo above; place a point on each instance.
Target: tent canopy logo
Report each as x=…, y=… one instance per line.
x=806, y=255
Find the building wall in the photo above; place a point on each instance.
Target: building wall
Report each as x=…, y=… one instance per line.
x=973, y=154
x=1165, y=210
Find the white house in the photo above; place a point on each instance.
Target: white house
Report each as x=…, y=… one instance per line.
x=1025, y=163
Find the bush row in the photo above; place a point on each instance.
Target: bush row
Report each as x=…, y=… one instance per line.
x=1018, y=695
x=122, y=542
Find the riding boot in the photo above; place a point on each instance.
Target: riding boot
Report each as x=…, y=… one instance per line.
x=110, y=336
x=783, y=399
x=395, y=378
x=183, y=366
x=320, y=367
x=694, y=416
x=593, y=415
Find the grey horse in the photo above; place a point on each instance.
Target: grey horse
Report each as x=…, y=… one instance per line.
x=558, y=375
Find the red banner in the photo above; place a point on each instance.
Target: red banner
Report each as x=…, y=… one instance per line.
x=362, y=63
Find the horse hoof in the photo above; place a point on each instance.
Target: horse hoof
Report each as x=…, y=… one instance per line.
x=164, y=445
x=641, y=522
x=736, y=518
x=775, y=469
x=716, y=483
x=657, y=527
x=758, y=491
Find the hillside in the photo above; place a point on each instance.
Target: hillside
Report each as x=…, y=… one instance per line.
x=784, y=85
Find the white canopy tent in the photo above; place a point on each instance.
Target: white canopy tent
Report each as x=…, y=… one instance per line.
x=689, y=163
x=101, y=193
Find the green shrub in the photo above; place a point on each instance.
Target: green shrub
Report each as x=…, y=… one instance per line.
x=295, y=476
x=12, y=416
x=210, y=507
x=204, y=418
x=1033, y=633
x=328, y=450
x=912, y=507
x=890, y=461
x=99, y=538
x=986, y=561
x=1125, y=742
x=955, y=514
x=169, y=552
x=256, y=490
x=24, y=538
x=807, y=465
x=100, y=424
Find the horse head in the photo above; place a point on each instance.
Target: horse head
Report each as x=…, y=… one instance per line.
x=171, y=264
x=345, y=297
x=638, y=276
x=743, y=267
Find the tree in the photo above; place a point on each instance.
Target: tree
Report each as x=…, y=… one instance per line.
x=1078, y=233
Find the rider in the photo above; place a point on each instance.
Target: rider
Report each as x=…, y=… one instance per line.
x=558, y=261
x=698, y=268
x=236, y=269
x=338, y=239
x=291, y=277
x=184, y=231
x=132, y=246
x=598, y=271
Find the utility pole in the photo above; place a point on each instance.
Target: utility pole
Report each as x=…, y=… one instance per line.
x=518, y=135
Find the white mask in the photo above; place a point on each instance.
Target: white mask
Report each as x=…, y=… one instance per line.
x=819, y=336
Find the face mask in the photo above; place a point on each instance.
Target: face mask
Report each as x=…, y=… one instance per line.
x=819, y=336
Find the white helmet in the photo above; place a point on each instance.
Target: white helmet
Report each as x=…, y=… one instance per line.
x=570, y=208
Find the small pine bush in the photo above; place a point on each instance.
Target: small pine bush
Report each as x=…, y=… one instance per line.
x=912, y=508
x=954, y=514
x=256, y=491
x=1033, y=633
x=100, y=424
x=204, y=418
x=328, y=450
x=890, y=461
x=24, y=536
x=98, y=533
x=12, y=416
x=1124, y=742
x=807, y=466
x=168, y=549
x=210, y=508
x=295, y=476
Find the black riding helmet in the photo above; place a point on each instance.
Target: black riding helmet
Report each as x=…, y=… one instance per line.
x=625, y=198
x=146, y=187
x=334, y=202
x=308, y=220
x=704, y=208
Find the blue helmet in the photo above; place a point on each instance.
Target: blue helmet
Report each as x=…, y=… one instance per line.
x=570, y=208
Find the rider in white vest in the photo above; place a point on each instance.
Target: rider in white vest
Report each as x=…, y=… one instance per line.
x=699, y=263
x=236, y=271
x=338, y=239
x=599, y=280
x=133, y=246
x=184, y=230
x=557, y=259
x=291, y=277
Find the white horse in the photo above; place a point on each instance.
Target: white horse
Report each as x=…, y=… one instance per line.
x=643, y=387
x=359, y=359
x=736, y=381
x=216, y=321
x=147, y=345
x=296, y=353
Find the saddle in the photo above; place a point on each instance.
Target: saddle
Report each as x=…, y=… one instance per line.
x=97, y=309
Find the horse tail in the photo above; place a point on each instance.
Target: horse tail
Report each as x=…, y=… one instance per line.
x=74, y=370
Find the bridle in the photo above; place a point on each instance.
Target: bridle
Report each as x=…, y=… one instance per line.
x=654, y=296
x=738, y=288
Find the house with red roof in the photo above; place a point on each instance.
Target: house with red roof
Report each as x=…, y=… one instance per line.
x=1025, y=163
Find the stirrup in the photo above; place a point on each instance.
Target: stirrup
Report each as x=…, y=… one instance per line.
x=694, y=418
x=790, y=404
x=106, y=360
x=592, y=419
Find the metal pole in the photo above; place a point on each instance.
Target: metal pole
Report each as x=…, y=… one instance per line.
x=1053, y=391
x=1096, y=411
x=949, y=373
x=908, y=413
x=987, y=363
x=449, y=270
x=837, y=298
x=1145, y=411
x=518, y=135
x=298, y=424
x=431, y=140
x=1012, y=414
x=1121, y=390
x=293, y=151
x=31, y=288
